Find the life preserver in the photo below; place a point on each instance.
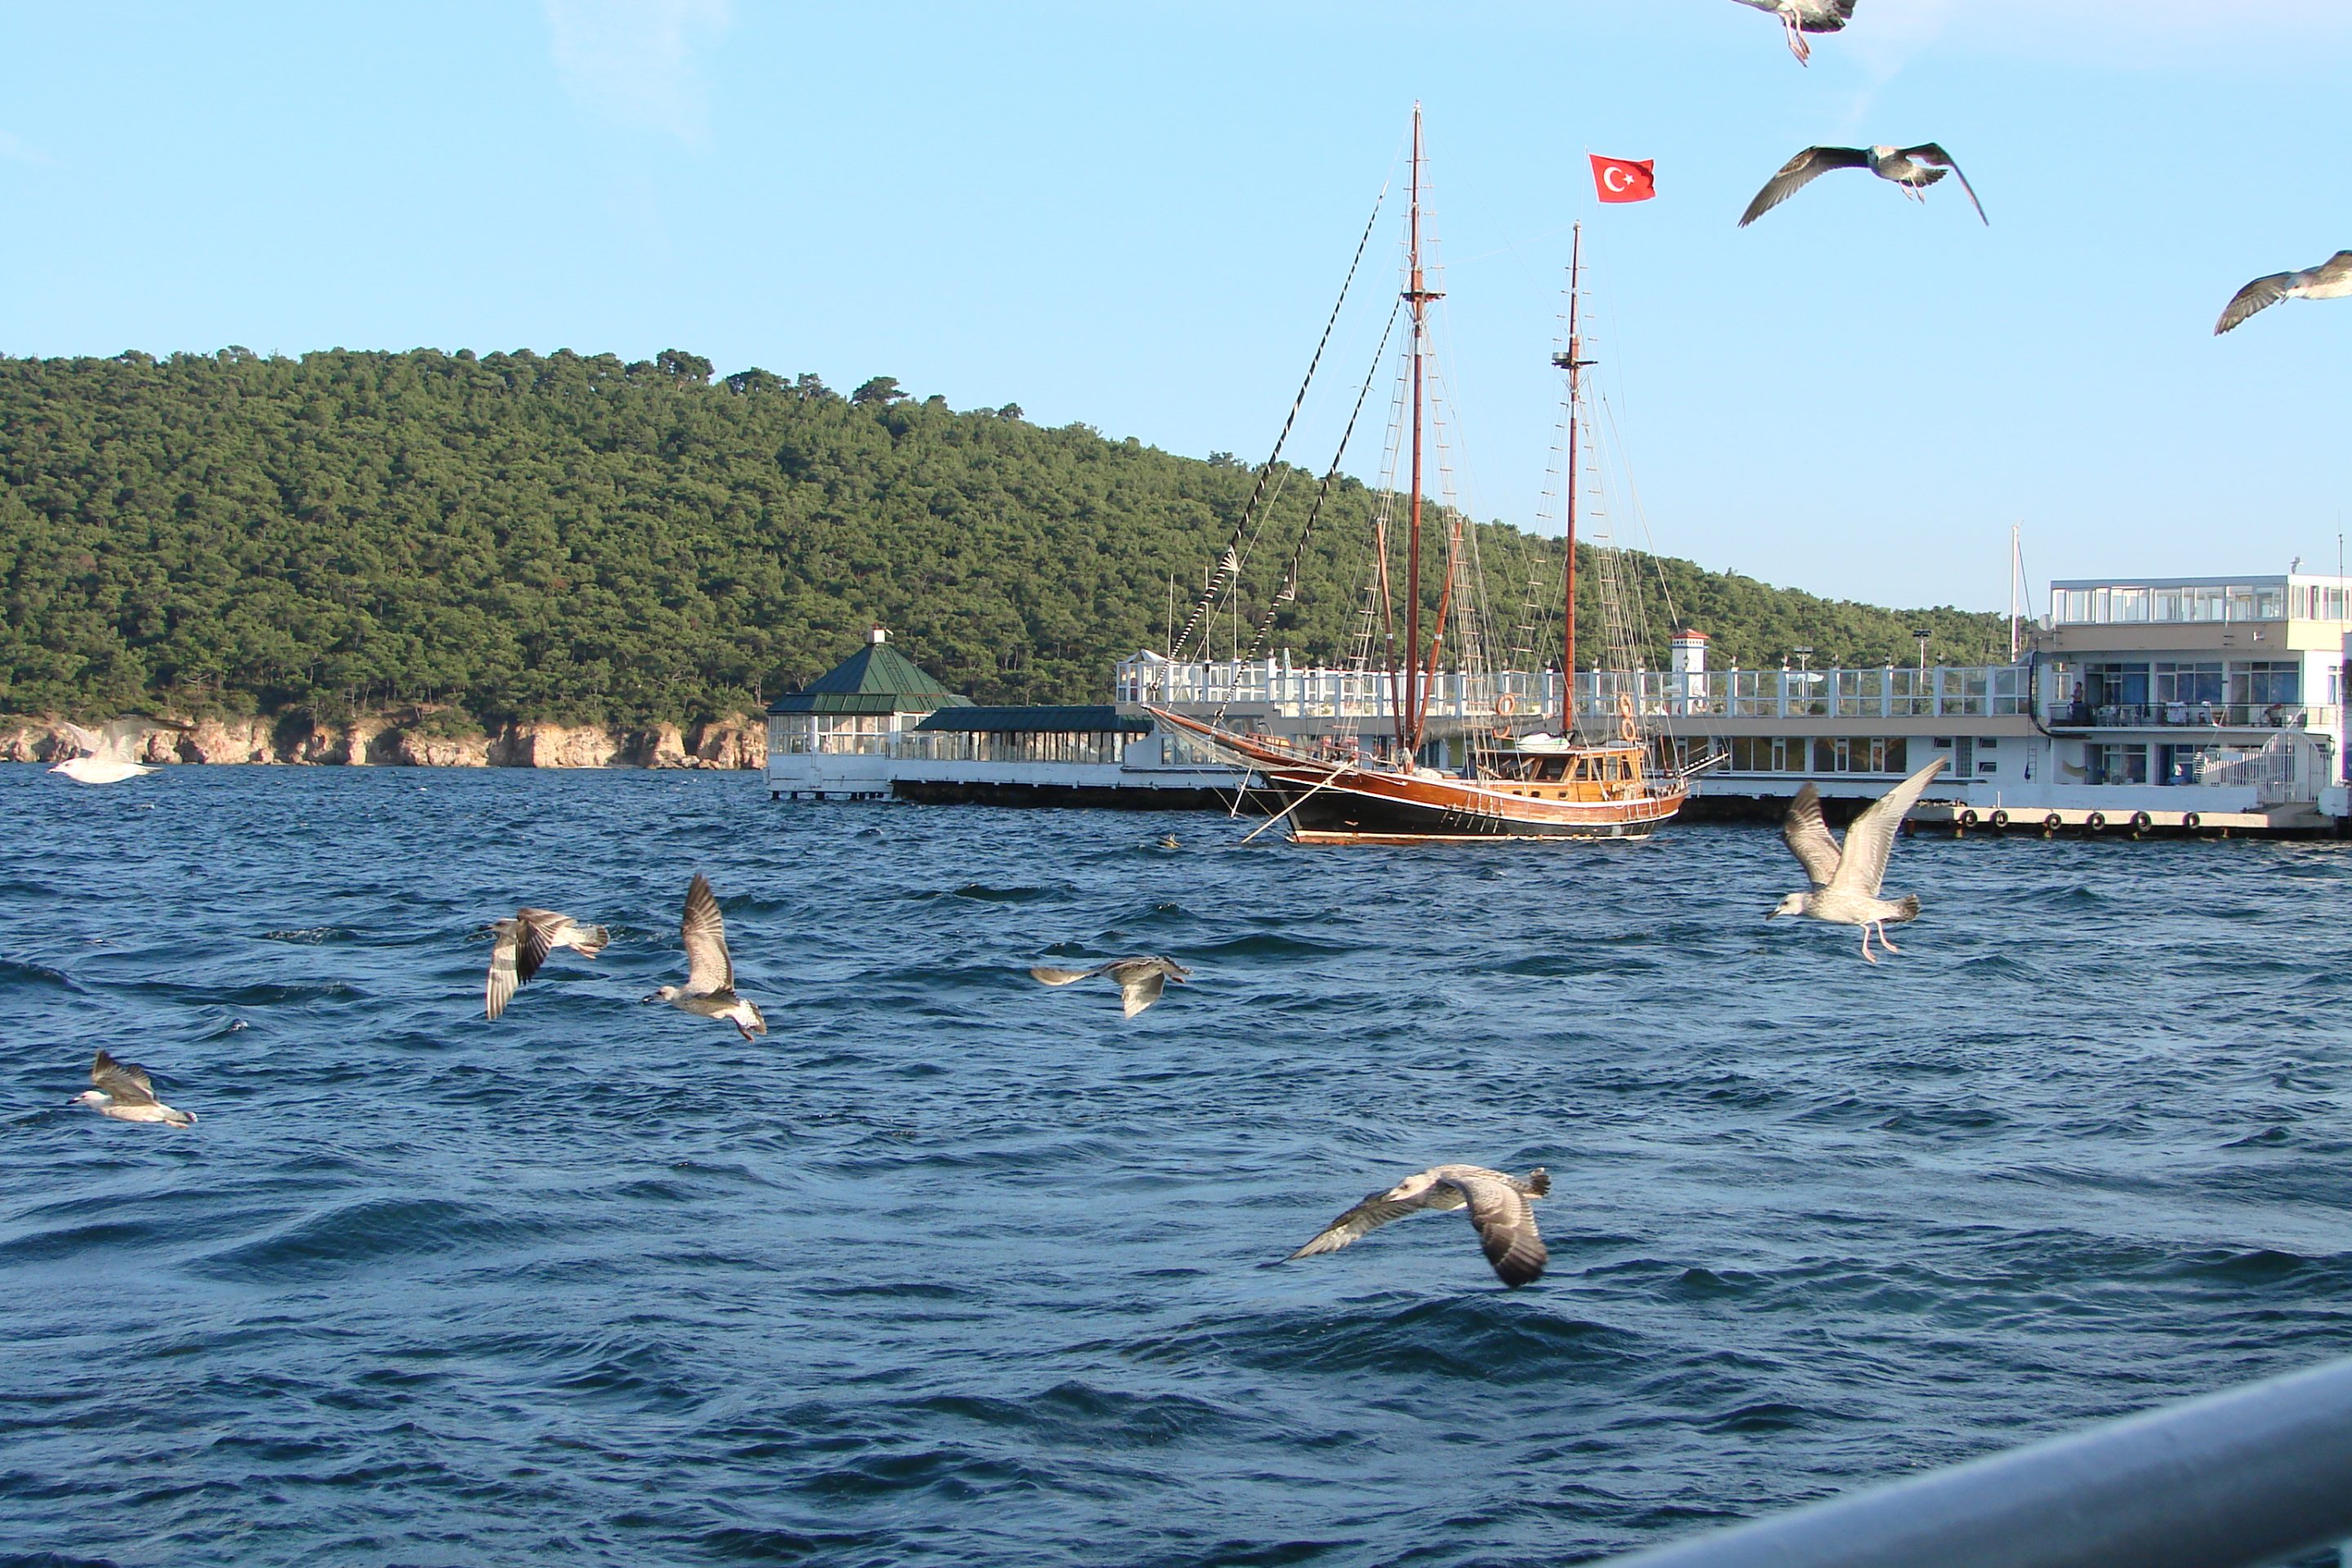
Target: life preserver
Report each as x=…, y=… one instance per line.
x=1506, y=705
x=2095, y=821
x=2191, y=821
x=1999, y=818
x=1967, y=816
x=2142, y=822
x=1627, y=730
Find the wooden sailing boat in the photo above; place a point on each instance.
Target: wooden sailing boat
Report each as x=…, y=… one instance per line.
x=1533, y=786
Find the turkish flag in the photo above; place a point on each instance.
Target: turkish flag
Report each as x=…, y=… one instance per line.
x=1618, y=180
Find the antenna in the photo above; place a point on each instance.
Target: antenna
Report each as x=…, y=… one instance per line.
x=2016, y=570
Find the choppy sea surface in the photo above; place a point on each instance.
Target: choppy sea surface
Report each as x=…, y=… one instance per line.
x=954, y=1268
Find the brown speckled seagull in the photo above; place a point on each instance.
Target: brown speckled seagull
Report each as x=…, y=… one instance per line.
x=1913, y=170
x=1140, y=979
x=1802, y=16
x=1845, y=881
x=521, y=944
x=124, y=1093
x=2331, y=280
x=710, y=988
x=1501, y=1206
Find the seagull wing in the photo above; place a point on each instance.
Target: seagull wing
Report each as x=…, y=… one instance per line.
x=1928, y=153
x=536, y=934
x=91, y=745
x=2259, y=295
x=1797, y=173
x=1052, y=976
x=1380, y=1208
x=1140, y=986
x=125, y=1083
x=1823, y=16
x=1507, y=1226
x=1872, y=837
x=499, y=989
x=1808, y=837
x=707, y=967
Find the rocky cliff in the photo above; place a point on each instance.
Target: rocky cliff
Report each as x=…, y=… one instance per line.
x=412, y=739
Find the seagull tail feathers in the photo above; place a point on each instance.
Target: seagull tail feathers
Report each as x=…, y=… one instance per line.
x=1907, y=907
x=1052, y=976
x=1538, y=1181
x=594, y=942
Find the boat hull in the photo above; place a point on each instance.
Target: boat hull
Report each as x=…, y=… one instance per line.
x=1357, y=807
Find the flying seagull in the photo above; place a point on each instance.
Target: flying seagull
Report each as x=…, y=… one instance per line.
x=522, y=945
x=124, y=1093
x=2331, y=280
x=1845, y=881
x=710, y=988
x=1802, y=16
x=1501, y=1206
x=1140, y=979
x=1912, y=168
x=89, y=768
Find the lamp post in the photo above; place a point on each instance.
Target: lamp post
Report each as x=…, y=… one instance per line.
x=1922, y=634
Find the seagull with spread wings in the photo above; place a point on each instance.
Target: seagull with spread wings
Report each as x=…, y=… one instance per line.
x=90, y=767
x=1913, y=168
x=1140, y=979
x=1802, y=16
x=710, y=988
x=124, y=1093
x=1501, y=1206
x=1846, y=880
x=2331, y=280
x=520, y=945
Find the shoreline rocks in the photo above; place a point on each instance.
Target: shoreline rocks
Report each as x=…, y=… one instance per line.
x=410, y=739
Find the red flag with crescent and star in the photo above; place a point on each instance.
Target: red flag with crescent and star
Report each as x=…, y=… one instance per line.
x=1622, y=180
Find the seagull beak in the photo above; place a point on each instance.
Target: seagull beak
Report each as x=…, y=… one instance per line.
x=1772, y=914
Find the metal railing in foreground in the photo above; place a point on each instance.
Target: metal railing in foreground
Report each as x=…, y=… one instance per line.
x=2252, y=1476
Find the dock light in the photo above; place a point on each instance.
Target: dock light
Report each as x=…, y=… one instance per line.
x=1922, y=634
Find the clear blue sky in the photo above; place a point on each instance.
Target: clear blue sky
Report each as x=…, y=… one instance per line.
x=1136, y=216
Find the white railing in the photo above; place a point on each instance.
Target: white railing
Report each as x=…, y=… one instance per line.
x=1300, y=692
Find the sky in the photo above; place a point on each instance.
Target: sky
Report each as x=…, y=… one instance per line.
x=1138, y=216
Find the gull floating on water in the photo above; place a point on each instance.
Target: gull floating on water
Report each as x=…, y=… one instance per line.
x=1912, y=168
x=1845, y=881
x=710, y=988
x=1802, y=16
x=124, y=1093
x=2331, y=280
x=1501, y=1206
x=1140, y=979
x=522, y=945
x=89, y=767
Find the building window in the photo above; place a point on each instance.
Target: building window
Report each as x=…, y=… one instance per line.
x=2124, y=764
x=2263, y=682
x=2178, y=682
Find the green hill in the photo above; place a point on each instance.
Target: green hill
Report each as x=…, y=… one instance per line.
x=577, y=538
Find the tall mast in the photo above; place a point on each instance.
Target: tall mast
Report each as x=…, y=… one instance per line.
x=1417, y=296
x=1574, y=363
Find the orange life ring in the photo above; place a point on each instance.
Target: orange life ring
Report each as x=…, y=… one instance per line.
x=1627, y=730
x=1506, y=705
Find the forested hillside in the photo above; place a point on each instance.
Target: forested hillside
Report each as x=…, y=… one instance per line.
x=576, y=539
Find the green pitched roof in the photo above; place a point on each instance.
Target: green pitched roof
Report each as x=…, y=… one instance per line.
x=876, y=678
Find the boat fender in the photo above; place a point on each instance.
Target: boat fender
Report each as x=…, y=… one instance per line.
x=1967, y=816
x=2053, y=822
x=2095, y=821
x=2193, y=822
x=2000, y=817
x=2142, y=822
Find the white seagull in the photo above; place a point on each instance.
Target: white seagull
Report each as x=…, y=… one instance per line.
x=1913, y=169
x=522, y=945
x=710, y=988
x=1501, y=1206
x=1140, y=979
x=2331, y=280
x=124, y=1093
x=89, y=768
x=1845, y=881
x=1802, y=16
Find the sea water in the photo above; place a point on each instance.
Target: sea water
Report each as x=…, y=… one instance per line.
x=953, y=1269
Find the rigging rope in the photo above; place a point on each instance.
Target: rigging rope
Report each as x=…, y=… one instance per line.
x=1228, y=572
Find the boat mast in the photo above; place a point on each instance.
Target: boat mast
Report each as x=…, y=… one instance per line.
x=1417, y=296
x=1574, y=363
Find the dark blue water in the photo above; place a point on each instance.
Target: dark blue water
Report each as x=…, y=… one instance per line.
x=951, y=1268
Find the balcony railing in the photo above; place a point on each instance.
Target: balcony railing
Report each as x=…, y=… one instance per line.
x=2192, y=716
